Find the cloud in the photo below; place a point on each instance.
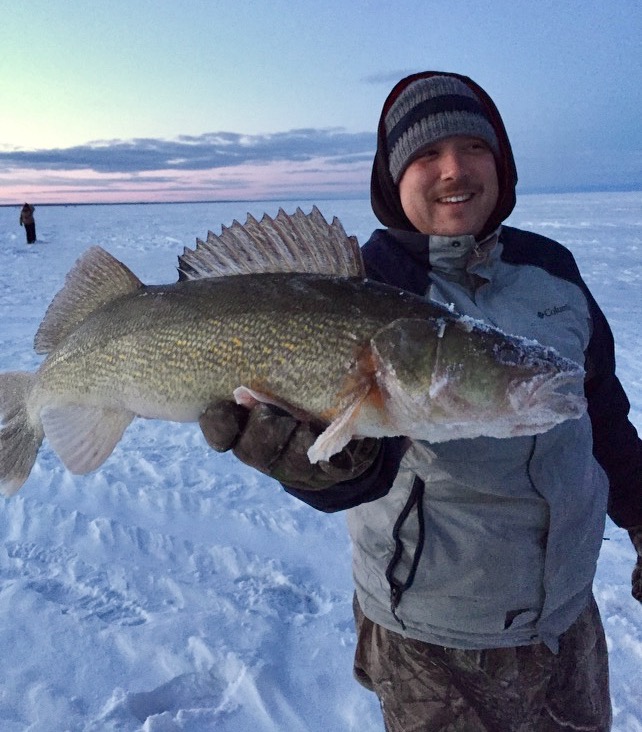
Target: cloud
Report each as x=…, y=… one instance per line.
x=197, y=152
x=388, y=77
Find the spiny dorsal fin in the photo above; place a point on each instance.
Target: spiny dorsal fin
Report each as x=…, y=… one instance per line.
x=287, y=243
x=94, y=280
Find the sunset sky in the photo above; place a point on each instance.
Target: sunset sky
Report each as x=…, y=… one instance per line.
x=141, y=100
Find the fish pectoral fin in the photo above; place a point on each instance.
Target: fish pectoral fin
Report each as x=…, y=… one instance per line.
x=338, y=433
x=84, y=437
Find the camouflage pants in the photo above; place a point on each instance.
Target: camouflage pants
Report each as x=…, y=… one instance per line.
x=429, y=688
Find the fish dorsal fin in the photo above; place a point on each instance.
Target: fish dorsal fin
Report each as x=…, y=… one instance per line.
x=94, y=280
x=287, y=243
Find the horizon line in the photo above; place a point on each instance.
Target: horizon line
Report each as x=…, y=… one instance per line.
x=540, y=190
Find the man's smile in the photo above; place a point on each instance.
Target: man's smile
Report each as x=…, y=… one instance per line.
x=459, y=198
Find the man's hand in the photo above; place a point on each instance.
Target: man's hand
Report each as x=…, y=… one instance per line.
x=276, y=443
x=636, y=578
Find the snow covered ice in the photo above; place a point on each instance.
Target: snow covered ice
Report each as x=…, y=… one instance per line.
x=176, y=590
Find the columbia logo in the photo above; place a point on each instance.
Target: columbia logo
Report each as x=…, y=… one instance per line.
x=553, y=311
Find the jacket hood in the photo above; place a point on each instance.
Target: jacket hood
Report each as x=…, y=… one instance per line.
x=384, y=194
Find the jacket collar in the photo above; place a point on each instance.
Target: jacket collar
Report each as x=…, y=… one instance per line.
x=447, y=255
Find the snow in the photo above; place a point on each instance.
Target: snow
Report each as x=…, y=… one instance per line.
x=176, y=590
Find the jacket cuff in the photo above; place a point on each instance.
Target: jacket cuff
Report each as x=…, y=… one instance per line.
x=374, y=483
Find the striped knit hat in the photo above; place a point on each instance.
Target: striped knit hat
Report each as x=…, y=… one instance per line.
x=428, y=110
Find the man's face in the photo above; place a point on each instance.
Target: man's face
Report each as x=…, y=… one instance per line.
x=452, y=189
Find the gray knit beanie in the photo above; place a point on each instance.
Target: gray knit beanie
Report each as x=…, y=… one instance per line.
x=428, y=110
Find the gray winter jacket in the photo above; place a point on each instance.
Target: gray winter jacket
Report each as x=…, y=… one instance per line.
x=489, y=543
x=505, y=533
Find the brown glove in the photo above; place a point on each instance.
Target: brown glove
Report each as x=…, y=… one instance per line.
x=276, y=443
x=636, y=579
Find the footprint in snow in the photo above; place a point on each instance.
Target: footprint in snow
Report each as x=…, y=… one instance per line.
x=59, y=576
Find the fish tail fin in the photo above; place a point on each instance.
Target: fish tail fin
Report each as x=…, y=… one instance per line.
x=20, y=438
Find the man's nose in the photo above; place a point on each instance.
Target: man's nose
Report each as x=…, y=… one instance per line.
x=452, y=164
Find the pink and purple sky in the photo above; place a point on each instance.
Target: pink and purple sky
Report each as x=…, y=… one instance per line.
x=140, y=100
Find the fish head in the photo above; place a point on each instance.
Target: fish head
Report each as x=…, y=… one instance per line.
x=448, y=378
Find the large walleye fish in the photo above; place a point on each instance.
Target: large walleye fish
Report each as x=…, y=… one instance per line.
x=278, y=311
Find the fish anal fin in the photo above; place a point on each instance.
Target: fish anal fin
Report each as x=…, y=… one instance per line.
x=84, y=437
x=95, y=279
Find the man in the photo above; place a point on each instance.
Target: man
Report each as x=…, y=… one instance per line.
x=27, y=220
x=473, y=559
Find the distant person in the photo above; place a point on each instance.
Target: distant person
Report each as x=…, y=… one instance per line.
x=27, y=220
x=473, y=559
